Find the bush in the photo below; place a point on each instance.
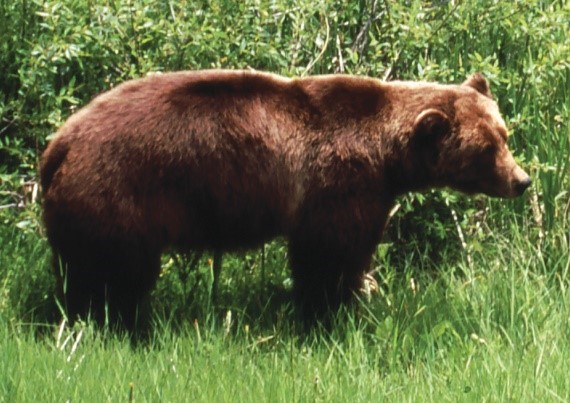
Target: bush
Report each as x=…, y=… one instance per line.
x=55, y=56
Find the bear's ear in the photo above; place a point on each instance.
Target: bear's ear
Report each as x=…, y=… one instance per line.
x=479, y=83
x=430, y=125
x=429, y=128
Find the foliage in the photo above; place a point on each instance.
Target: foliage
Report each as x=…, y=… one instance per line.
x=57, y=55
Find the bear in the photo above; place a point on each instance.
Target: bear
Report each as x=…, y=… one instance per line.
x=225, y=160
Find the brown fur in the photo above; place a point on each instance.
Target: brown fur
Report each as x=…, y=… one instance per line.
x=226, y=160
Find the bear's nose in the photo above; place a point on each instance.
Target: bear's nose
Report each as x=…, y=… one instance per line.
x=522, y=185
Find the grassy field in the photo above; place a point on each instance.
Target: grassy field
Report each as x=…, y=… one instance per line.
x=492, y=330
x=473, y=303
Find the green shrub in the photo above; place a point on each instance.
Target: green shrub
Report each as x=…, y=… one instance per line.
x=56, y=55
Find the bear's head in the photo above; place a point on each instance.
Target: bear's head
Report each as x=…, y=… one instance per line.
x=464, y=145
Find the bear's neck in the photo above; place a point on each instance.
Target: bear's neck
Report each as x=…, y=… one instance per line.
x=403, y=170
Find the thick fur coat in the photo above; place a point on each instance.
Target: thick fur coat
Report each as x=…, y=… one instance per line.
x=227, y=160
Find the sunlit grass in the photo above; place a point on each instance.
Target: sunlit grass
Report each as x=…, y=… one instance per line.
x=497, y=331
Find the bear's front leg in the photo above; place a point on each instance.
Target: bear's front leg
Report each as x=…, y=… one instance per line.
x=326, y=276
x=331, y=247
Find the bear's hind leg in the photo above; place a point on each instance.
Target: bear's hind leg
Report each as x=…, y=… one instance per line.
x=129, y=288
x=108, y=282
x=80, y=289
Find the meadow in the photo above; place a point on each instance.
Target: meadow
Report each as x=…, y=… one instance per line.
x=473, y=301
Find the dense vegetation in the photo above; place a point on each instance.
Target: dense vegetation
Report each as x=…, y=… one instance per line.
x=473, y=301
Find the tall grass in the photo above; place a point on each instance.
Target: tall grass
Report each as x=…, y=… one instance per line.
x=497, y=331
x=473, y=298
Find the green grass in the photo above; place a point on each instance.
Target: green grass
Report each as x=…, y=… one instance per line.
x=244, y=368
x=492, y=330
x=473, y=302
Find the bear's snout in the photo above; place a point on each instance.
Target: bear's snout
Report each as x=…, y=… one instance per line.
x=519, y=181
x=521, y=185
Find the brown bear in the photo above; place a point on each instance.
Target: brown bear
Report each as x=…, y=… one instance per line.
x=227, y=160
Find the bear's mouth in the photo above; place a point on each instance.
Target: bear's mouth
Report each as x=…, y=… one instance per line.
x=473, y=187
x=492, y=190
